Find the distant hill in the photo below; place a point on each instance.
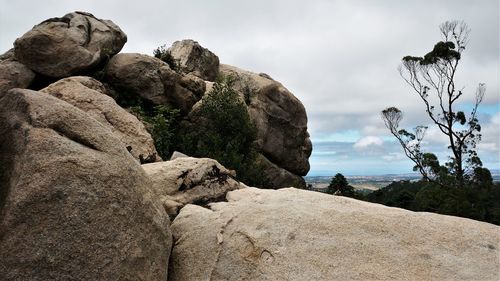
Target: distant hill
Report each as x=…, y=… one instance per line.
x=375, y=182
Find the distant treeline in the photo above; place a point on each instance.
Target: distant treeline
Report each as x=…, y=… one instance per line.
x=478, y=202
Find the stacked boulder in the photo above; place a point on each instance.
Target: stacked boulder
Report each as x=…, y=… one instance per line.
x=75, y=43
x=77, y=201
x=81, y=44
x=282, y=139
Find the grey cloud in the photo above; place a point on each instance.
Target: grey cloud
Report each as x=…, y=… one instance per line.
x=339, y=58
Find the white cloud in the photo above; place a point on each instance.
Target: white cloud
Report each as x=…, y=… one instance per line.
x=488, y=147
x=393, y=156
x=368, y=142
x=496, y=119
x=491, y=137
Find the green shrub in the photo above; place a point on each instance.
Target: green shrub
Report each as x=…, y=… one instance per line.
x=162, y=123
x=225, y=132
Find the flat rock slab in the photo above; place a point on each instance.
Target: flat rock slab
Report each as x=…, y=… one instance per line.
x=292, y=234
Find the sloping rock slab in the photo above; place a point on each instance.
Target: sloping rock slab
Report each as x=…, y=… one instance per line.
x=292, y=234
x=89, y=95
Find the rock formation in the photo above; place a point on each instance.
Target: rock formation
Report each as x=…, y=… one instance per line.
x=13, y=74
x=195, y=59
x=187, y=180
x=74, y=204
x=89, y=95
x=149, y=78
x=61, y=47
x=291, y=234
x=280, y=118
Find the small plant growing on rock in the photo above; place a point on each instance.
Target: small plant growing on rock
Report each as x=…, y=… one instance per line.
x=165, y=55
x=161, y=123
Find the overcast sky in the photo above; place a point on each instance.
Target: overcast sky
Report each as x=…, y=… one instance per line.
x=339, y=58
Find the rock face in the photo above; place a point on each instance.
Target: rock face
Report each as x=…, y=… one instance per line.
x=187, y=180
x=61, y=47
x=13, y=74
x=280, y=118
x=195, y=59
x=291, y=234
x=152, y=80
x=74, y=204
x=277, y=177
x=88, y=95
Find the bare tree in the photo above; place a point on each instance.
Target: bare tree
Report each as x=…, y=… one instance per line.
x=411, y=142
x=432, y=77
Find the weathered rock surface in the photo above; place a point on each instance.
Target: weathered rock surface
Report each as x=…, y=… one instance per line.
x=280, y=118
x=291, y=234
x=137, y=75
x=74, y=204
x=61, y=47
x=13, y=74
x=195, y=59
x=278, y=177
x=188, y=180
x=89, y=95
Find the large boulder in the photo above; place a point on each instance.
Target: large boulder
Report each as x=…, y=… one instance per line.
x=74, y=204
x=280, y=118
x=195, y=59
x=292, y=234
x=187, y=180
x=89, y=95
x=61, y=47
x=13, y=74
x=149, y=78
x=282, y=139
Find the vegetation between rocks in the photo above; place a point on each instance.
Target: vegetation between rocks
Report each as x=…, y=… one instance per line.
x=161, y=122
x=225, y=132
x=220, y=129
